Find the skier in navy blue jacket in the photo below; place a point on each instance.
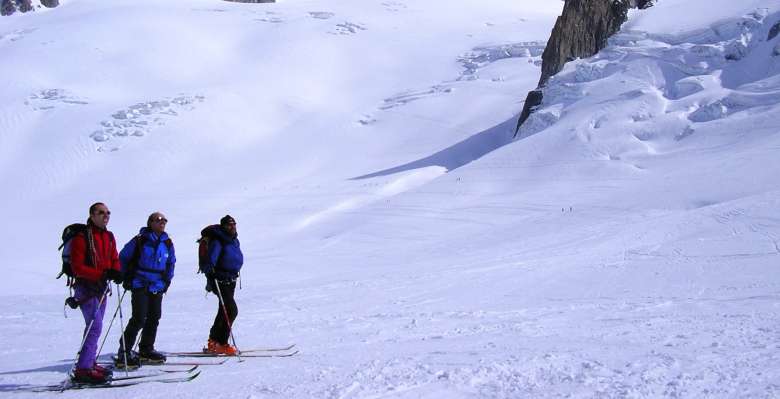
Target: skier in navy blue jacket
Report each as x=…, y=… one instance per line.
x=222, y=266
x=148, y=261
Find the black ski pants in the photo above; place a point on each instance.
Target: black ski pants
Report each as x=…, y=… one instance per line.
x=147, y=310
x=220, y=331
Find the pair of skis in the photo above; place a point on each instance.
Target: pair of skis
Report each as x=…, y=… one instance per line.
x=158, y=376
x=162, y=375
x=166, y=363
x=286, y=351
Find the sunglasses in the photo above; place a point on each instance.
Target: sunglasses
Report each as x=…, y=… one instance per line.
x=106, y=213
x=159, y=219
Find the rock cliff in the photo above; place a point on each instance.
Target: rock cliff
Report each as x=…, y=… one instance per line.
x=580, y=32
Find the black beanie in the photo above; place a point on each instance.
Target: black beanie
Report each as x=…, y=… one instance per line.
x=226, y=220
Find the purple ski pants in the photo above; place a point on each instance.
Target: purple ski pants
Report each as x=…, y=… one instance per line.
x=92, y=309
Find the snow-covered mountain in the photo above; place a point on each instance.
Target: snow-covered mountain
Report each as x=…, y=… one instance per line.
x=625, y=244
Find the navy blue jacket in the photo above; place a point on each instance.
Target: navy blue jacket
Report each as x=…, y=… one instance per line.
x=156, y=261
x=224, y=256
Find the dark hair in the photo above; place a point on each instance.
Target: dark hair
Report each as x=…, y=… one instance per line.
x=94, y=206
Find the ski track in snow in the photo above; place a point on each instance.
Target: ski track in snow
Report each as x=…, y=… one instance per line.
x=15, y=35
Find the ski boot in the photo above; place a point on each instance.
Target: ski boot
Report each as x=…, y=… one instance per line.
x=108, y=371
x=151, y=356
x=133, y=361
x=215, y=348
x=89, y=376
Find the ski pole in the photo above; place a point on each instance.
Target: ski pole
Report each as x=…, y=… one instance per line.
x=89, y=327
x=227, y=319
x=100, y=350
x=124, y=344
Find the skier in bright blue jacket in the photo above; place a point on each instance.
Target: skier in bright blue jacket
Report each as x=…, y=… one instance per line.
x=221, y=265
x=148, y=261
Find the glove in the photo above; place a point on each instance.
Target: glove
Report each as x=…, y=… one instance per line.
x=165, y=288
x=128, y=284
x=72, y=302
x=210, y=283
x=113, y=275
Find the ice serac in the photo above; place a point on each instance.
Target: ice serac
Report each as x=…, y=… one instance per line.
x=580, y=32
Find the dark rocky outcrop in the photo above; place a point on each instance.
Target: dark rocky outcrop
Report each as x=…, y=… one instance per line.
x=8, y=7
x=773, y=31
x=24, y=5
x=580, y=32
x=532, y=100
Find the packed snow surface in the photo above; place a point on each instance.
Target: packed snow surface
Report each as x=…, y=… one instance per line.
x=625, y=244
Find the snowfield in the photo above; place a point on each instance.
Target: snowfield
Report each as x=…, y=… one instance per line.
x=625, y=244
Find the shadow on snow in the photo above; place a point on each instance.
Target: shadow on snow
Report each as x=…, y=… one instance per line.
x=459, y=154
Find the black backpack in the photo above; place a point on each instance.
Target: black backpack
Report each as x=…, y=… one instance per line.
x=206, y=235
x=67, y=238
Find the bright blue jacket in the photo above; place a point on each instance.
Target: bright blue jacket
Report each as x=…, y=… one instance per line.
x=225, y=257
x=156, y=260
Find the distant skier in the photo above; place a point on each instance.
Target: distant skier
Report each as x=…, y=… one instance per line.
x=148, y=261
x=94, y=261
x=221, y=264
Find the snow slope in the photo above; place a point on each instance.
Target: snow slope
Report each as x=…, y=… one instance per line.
x=626, y=245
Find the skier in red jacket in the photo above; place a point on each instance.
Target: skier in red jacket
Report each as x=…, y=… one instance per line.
x=95, y=261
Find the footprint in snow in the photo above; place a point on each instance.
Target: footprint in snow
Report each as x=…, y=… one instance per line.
x=321, y=14
x=52, y=98
x=209, y=9
x=273, y=20
x=410, y=96
x=16, y=35
x=270, y=17
x=348, y=28
x=394, y=6
x=366, y=120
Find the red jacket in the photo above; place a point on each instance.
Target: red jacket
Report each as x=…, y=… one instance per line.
x=104, y=257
